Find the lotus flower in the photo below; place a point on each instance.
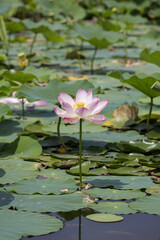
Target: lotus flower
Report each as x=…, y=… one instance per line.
x=84, y=106
x=15, y=100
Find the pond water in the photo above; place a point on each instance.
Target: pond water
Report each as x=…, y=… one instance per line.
x=138, y=226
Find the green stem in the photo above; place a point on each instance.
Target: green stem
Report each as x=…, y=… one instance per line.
x=32, y=44
x=149, y=115
x=126, y=47
x=79, y=59
x=58, y=133
x=22, y=107
x=80, y=153
x=92, y=60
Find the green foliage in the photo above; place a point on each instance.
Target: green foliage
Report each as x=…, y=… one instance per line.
x=26, y=223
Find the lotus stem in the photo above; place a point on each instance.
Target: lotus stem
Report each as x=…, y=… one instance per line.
x=80, y=153
x=149, y=115
x=22, y=107
x=32, y=44
x=92, y=60
x=58, y=133
x=126, y=47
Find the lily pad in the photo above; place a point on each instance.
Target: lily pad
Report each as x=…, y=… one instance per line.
x=23, y=146
x=148, y=204
x=120, y=182
x=17, y=170
x=43, y=186
x=4, y=111
x=103, y=217
x=47, y=203
x=26, y=223
x=112, y=207
x=114, y=194
x=139, y=146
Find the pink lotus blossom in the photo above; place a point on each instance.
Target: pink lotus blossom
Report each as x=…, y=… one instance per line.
x=83, y=106
x=15, y=100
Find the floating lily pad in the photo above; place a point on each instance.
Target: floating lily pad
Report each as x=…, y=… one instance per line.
x=43, y=186
x=47, y=203
x=103, y=217
x=139, y=146
x=148, y=204
x=26, y=223
x=17, y=170
x=120, y=182
x=112, y=207
x=114, y=194
x=153, y=190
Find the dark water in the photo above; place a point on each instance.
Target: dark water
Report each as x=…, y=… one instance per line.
x=134, y=227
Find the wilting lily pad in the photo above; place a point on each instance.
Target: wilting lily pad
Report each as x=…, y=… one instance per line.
x=103, y=217
x=148, y=204
x=26, y=223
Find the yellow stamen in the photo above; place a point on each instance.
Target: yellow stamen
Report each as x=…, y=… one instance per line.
x=79, y=104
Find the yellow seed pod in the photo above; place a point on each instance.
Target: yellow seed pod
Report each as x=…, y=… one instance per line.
x=114, y=9
x=22, y=59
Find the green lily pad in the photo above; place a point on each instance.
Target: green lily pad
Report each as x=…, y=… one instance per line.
x=139, y=146
x=127, y=171
x=148, y=204
x=154, y=134
x=4, y=111
x=17, y=170
x=48, y=203
x=103, y=217
x=112, y=207
x=43, y=186
x=87, y=127
x=95, y=35
x=51, y=92
x=26, y=223
x=151, y=57
x=120, y=182
x=23, y=146
x=153, y=190
x=115, y=194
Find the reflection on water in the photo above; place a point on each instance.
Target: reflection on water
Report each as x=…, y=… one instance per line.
x=134, y=227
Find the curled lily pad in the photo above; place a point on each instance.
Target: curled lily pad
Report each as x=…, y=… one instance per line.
x=103, y=217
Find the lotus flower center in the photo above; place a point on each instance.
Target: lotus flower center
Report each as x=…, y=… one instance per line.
x=79, y=104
